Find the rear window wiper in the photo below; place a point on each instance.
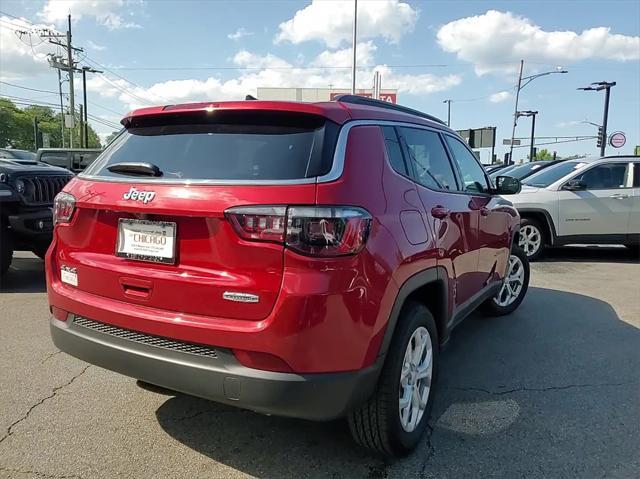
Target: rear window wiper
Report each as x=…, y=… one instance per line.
x=135, y=169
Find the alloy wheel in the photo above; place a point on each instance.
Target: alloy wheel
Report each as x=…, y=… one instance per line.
x=513, y=283
x=530, y=239
x=415, y=379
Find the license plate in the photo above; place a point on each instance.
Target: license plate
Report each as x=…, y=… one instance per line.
x=142, y=240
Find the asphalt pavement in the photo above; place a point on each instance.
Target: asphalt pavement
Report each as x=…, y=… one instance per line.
x=551, y=391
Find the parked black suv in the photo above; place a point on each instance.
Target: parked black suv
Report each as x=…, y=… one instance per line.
x=27, y=190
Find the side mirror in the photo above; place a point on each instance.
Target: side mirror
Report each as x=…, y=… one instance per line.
x=575, y=185
x=507, y=185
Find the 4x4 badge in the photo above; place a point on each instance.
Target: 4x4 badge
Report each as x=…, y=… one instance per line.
x=137, y=195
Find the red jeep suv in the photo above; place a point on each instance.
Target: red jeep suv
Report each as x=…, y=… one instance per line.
x=297, y=259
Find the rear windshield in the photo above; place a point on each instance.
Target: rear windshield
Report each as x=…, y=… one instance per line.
x=238, y=147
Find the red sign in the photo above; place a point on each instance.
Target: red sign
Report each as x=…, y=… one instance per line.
x=617, y=139
x=389, y=97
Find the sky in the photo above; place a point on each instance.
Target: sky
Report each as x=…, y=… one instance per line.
x=167, y=52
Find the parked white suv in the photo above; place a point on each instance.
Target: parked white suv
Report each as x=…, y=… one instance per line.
x=590, y=201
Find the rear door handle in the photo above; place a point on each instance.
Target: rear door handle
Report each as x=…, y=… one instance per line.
x=440, y=212
x=619, y=196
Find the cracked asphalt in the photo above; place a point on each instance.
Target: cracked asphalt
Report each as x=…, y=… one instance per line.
x=550, y=391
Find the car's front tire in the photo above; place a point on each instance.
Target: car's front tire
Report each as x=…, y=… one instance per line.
x=6, y=250
x=394, y=419
x=514, y=288
x=531, y=238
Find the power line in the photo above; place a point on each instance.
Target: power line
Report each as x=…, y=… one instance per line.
x=27, y=88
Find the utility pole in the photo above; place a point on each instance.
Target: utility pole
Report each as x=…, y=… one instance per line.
x=35, y=133
x=606, y=86
x=84, y=99
x=448, y=111
x=61, y=107
x=71, y=67
x=515, y=113
x=353, y=66
x=81, y=129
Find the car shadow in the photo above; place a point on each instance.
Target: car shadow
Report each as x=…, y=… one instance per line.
x=590, y=253
x=25, y=275
x=555, y=340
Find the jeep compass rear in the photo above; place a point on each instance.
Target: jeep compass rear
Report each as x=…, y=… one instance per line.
x=258, y=254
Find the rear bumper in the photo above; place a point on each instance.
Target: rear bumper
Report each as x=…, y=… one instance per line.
x=222, y=379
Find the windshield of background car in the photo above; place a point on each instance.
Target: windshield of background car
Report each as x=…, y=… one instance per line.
x=244, y=146
x=23, y=155
x=552, y=174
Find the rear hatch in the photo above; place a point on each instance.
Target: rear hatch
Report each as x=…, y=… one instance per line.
x=149, y=224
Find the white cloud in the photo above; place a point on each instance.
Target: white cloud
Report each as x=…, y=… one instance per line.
x=239, y=34
x=331, y=22
x=500, y=96
x=272, y=71
x=568, y=124
x=23, y=55
x=95, y=46
x=106, y=12
x=495, y=41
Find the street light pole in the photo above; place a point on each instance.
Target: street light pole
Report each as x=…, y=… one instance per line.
x=353, y=66
x=606, y=86
x=520, y=86
x=515, y=113
x=448, y=111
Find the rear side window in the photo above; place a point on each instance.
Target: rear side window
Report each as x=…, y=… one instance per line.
x=609, y=176
x=473, y=176
x=234, y=147
x=636, y=174
x=428, y=158
x=394, y=151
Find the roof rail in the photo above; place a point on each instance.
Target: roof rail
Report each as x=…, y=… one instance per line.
x=361, y=100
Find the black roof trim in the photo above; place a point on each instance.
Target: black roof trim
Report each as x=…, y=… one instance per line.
x=360, y=100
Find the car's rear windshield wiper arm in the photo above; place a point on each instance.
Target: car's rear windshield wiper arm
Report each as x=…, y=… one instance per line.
x=135, y=169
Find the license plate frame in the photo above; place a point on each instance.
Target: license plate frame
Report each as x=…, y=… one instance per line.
x=155, y=253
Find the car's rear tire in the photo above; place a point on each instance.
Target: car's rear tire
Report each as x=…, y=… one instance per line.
x=382, y=424
x=531, y=238
x=6, y=250
x=40, y=250
x=514, y=288
x=635, y=250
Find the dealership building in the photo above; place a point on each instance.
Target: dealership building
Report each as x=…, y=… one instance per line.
x=319, y=94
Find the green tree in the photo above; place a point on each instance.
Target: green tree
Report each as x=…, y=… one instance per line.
x=110, y=137
x=543, y=155
x=16, y=127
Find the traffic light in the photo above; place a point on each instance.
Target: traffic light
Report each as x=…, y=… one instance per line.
x=600, y=137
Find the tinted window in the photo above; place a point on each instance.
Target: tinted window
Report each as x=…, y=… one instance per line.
x=636, y=174
x=23, y=155
x=428, y=158
x=609, y=176
x=56, y=158
x=219, y=151
x=473, y=177
x=393, y=150
x=552, y=174
x=83, y=159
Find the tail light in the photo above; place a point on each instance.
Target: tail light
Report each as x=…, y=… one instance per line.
x=64, y=205
x=324, y=231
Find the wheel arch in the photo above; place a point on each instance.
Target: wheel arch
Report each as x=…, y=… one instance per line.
x=544, y=217
x=428, y=287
